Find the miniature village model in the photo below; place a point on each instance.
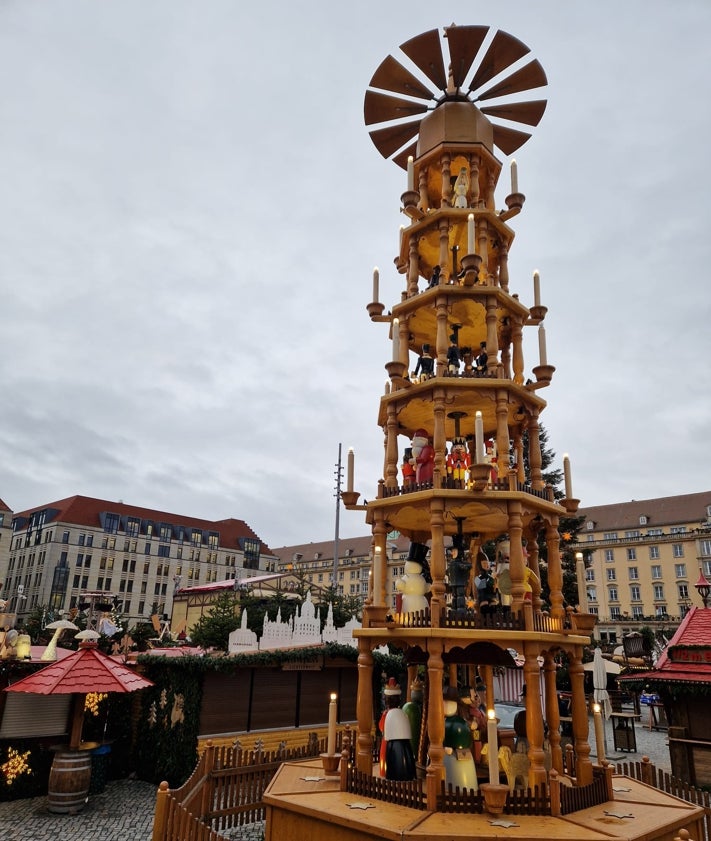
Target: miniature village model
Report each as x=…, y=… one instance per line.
x=463, y=481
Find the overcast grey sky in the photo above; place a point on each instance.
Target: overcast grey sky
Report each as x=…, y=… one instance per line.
x=191, y=209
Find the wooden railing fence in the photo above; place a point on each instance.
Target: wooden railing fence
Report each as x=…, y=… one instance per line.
x=648, y=773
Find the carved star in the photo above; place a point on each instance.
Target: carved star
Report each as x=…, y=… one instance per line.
x=618, y=815
x=313, y=779
x=361, y=805
x=504, y=823
x=621, y=788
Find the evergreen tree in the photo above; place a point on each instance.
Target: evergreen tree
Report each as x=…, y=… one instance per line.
x=214, y=628
x=568, y=527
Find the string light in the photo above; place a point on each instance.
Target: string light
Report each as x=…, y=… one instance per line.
x=16, y=764
x=92, y=701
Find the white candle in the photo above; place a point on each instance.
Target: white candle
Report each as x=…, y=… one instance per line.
x=542, y=345
x=479, y=435
x=493, y=746
x=376, y=284
x=377, y=575
x=566, y=473
x=396, y=339
x=410, y=173
x=599, y=734
x=470, y=234
x=514, y=176
x=399, y=239
x=536, y=289
x=331, y=744
x=349, y=474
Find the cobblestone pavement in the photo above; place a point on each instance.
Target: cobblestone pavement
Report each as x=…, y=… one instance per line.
x=124, y=811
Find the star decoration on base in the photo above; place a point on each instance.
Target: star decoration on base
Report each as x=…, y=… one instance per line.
x=618, y=815
x=313, y=779
x=504, y=823
x=361, y=805
x=621, y=788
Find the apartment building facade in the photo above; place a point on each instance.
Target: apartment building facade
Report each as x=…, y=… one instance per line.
x=314, y=563
x=141, y=556
x=645, y=557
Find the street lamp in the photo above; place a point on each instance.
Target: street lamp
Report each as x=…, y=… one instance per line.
x=703, y=588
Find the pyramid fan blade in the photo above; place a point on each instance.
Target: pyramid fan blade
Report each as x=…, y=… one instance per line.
x=379, y=107
x=392, y=76
x=509, y=139
x=390, y=139
x=464, y=43
x=503, y=51
x=529, y=113
x=426, y=52
x=528, y=77
x=401, y=159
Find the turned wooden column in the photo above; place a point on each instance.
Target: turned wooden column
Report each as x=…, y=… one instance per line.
x=517, y=341
x=552, y=711
x=424, y=202
x=435, y=722
x=555, y=569
x=404, y=342
x=473, y=180
x=516, y=562
x=364, y=708
x=535, y=459
x=534, y=717
x=483, y=247
x=506, y=352
x=442, y=337
x=491, y=186
x=583, y=765
x=445, y=272
x=413, y=268
x=445, y=201
x=502, y=434
x=504, y=266
x=492, y=339
x=437, y=562
x=439, y=441
x=391, y=455
x=380, y=571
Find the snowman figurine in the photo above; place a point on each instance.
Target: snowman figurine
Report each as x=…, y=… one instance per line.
x=413, y=587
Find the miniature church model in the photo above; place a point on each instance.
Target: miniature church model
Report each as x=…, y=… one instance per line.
x=469, y=425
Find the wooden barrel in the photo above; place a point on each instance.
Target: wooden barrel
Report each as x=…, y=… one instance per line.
x=69, y=781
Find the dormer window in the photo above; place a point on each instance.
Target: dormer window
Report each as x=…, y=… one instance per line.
x=589, y=525
x=643, y=520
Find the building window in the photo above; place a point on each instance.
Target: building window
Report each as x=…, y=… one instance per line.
x=592, y=594
x=633, y=573
x=612, y=594
x=677, y=530
x=678, y=550
x=642, y=520
x=683, y=591
x=631, y=554
x=658, y=592
x=133, y=526
x=705, y=547
x=609, y=555
x=164, y=551
x=65, y=537
x=706, y=565
x=614, y=613
x=590, y=574
x=637, y=611
x=653, y=553
x=111, y=523
x=82, y=538
x=611, y=574
x=148, y=549
x=589, y=525
x=631, y=534
x=656, y=571
x=610, y=535
x=680, y=570
x=634, y=593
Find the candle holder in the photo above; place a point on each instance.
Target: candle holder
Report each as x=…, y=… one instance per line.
x=543, y=373
x=396, y=370
x=494, y=795
x=471, y=264
x=538, y=313
x=331, y=762
x=349, y=498
x=515, y=201
x=479, y=475
x=570, y=505
x=409, y=199
x=375, y=309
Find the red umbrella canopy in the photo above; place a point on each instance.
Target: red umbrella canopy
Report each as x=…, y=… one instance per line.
x=86, y=670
